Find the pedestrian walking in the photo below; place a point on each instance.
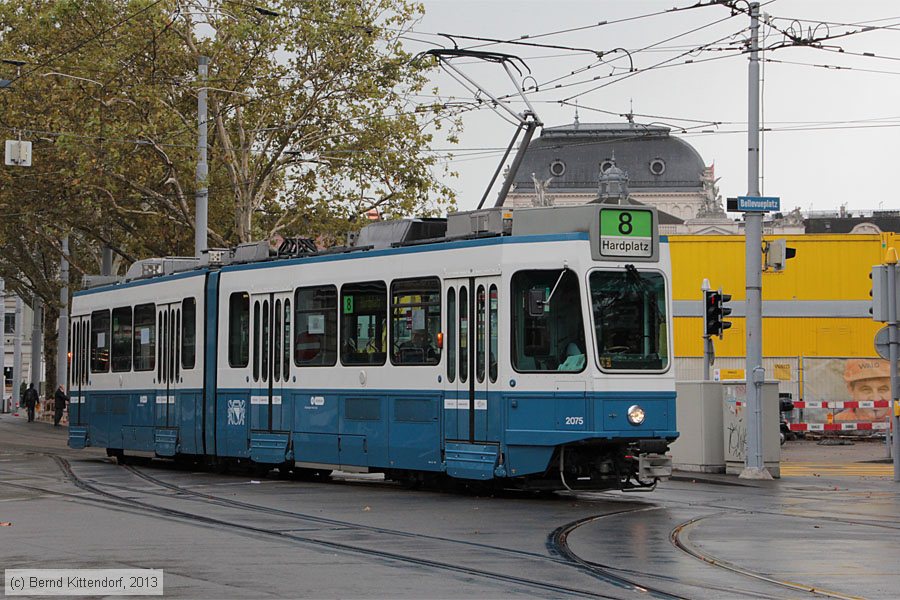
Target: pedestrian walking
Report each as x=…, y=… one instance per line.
x=31, y=398
x=59, y=404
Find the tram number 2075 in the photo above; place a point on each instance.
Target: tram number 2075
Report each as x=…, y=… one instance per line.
x=574, y=420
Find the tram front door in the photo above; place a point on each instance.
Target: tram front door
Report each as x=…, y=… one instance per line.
x=472, y=330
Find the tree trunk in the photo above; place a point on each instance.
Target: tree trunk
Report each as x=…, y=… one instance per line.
x=51, y=334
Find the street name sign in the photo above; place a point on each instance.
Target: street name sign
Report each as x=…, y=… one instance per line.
x=754, y=204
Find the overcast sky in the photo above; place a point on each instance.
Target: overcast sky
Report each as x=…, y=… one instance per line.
x=834, y=132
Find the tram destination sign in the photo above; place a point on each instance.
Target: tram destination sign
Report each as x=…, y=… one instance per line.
x=626, y=233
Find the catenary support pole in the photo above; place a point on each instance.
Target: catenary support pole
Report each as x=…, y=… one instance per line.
x=106, y=260
x=893, y=354
x=62, y=340
x=36, y=338
x=17, y=350
x=202, y=195
x=754, y=467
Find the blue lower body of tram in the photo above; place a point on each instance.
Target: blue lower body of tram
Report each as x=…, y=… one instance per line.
x=519, y=437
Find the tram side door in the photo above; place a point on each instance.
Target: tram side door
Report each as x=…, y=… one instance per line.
x=472, y=305
x=485, y=358
x=271, y=339
x=79, y=352
x=168, y=364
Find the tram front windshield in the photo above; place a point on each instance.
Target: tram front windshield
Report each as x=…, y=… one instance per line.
x=630, y=319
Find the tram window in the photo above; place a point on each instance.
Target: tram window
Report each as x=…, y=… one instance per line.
x=121, y=339
x=188, y=333
x=276, y=352
x=363, y=323
x=239, y=329
x=463, y=334
x=286, y=352
x=177, y=346
x=480, y=322
x=415, y=321
x=451, y=335
x=256, y=351
x=144, y=345
x=265, y=348
x=86, y=353
x=162, y=368
x=630, y=319
x=100, y=341
x=73, y=352
x=493, y=333
x=315, y=338
x=551, y=338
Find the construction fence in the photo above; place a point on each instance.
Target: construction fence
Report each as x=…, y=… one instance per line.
x=830, y=394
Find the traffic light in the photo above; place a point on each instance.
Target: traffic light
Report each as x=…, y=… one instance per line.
x=777, y=254
x=714, y=312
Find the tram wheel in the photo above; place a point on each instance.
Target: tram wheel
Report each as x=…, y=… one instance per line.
x=218, y=465
x=310, y=474
x=260, y=469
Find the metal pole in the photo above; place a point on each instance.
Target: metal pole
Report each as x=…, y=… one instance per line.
x=202, y=195
x=36, y=339
x=509, y=148
x=62, y=342
x=754, y=372
x=708, y=349
x=514, y=169
x=106, y=260
x=894, y=355
x=17, y=351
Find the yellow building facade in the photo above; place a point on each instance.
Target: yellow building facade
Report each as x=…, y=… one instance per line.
x=817, y=307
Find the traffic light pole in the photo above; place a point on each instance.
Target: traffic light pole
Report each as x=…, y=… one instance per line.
x=894, y=356
x=709, y=355
x=755, y=373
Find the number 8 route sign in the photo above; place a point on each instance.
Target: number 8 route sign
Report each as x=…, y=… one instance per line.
x=626, y=233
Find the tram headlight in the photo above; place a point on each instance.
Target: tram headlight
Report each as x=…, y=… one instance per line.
x=635, y=414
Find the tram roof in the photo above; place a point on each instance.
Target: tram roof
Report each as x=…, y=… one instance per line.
x=403, y=236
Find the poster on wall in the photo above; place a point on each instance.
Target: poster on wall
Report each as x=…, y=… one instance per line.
x=854, y=390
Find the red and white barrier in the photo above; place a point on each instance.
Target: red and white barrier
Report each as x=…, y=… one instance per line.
x=848, y=426
x=847, y=404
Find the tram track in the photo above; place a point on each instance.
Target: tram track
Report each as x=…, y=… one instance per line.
x=818, y=518
x=534, y=585
x=556, y=541
x=678, y=535
x=593, y=570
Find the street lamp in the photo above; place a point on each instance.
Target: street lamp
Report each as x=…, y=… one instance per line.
x=62, y=356
x=67, y=76
x=5, y=83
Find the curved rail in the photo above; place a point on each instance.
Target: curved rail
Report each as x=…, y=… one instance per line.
x=558, y=541
x=213, y=522
x=676, y=538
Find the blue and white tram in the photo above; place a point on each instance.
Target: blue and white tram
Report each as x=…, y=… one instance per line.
x=528, y=346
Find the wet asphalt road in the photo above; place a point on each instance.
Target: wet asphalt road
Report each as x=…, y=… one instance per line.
x=235, y=536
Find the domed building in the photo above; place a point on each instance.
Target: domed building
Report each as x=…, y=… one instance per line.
x=564, y=166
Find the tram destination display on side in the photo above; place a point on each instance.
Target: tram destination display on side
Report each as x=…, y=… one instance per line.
x=626, y=233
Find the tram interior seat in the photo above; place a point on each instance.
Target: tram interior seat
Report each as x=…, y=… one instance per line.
x=575, y=359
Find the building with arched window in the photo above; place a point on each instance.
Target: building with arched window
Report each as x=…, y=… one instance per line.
x=566, y=163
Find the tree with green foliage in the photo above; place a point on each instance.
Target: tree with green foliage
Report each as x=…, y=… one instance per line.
x=315, y=118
